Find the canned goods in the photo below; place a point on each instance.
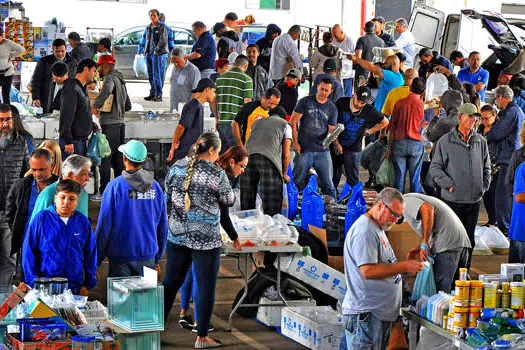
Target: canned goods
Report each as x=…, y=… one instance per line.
x=450, y=322
x=476, y=294
x=505, y=300
x=460, y=317
x=505, y=287
x=489, y=295
x=445, y=321
x=517, y=299
x=462, y=293
x=463, y=274
x=473, y=316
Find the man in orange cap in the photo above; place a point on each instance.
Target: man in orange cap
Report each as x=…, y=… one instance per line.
x=112, y=122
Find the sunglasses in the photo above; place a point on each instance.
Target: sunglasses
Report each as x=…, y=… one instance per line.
x=399, y=217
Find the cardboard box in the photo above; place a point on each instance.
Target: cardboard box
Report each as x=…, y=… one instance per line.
x=513, y=272
x=106, y=107
x=316, y=274
x=13, y=342
x=271, y=315
x=402, y=238
x=337, y=262
x=316, y=327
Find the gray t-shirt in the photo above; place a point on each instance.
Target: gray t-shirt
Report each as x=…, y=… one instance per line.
x=366, y=243
x=448, y=231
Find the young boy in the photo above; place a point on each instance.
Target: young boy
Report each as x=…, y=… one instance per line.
x=60, y=242
x=289, y=93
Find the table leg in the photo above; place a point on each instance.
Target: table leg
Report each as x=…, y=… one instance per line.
x=412, y=334
x=279, y=279
x=246, y=281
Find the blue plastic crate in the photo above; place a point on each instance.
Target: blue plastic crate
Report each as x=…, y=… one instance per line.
x=134, y=341
x=41, y=329
x=135, y=305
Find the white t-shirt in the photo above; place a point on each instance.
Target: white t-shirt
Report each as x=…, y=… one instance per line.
x=65, y=220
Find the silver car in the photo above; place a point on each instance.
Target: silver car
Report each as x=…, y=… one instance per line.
x=126, y=45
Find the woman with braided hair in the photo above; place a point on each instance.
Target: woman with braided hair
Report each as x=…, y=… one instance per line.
x=197, y=188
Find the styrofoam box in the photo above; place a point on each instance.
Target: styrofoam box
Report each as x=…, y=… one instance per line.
x=316, y=274
x=513, y=272
x=316, y=327
x=271, y=315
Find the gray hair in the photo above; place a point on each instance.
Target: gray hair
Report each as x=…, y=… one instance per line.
x=74, y=164
x=178, y=52
x=504, y=91
x=294, y=29
x=402, y=22
x=389, y=195
x=42, y=153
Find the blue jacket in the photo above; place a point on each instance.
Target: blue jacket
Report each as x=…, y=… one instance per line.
x=53, y=249
x=504, y=132
x=133, y=221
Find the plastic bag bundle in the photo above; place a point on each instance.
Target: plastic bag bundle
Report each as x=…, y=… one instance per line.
x=92, y=149
x=386, y=174
x=140, y=67
x=312, y=208
x=356, y=206
x=425, y=283
x=293, y=195
x=493, y=238
x=437, y=84
x=104, y=149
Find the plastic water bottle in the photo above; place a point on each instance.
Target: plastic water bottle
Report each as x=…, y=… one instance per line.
x=297, y=221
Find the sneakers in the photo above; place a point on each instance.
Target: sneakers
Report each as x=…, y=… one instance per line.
x=210, y=328
x=157, y=99
x=204, y=345
x=149, y=98
x=185, y=321
x=97, y=197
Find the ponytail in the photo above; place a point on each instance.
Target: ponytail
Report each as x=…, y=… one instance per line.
x=193, y=157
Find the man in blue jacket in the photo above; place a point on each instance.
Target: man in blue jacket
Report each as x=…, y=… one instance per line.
x=60, y=242
x=133, y=224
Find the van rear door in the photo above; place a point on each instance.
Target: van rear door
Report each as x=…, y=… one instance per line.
x=426, y=25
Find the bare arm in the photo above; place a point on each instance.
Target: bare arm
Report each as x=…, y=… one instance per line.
x=296, y=117
x=382, y=271
x=479, y=86
x=247, y=100
x=379, y=126
x=213, y=107
x=427, y=221
x=286, y=157
x=358, y=53
x=520, y=197
x=179, y=131
x=369, y=66
x=193, y=56
x=236, y=130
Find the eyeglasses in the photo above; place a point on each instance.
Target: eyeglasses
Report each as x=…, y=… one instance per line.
x=6, y=120
x=399, y=217
x=486, y=118
x=243, y=167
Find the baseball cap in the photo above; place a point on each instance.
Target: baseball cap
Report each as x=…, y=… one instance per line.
x=363, y=94
x=468, y=108
x=203, y=84
x=329, y=65
x=379, y=19
x=217, y=26
x=369, y=27
x=134, y=150
x=294, y=72
x=105, y=59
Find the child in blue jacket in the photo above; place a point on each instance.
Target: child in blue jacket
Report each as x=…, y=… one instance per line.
x=60, y=242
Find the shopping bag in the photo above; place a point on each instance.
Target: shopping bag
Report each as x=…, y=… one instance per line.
x=140, y=67
x=386, y=174
x=425, y=283
x=312, y=207
x=345, y=194
x=92, y=150
x=356, y=206
x=293, y=195
x=372, y=155
x=104, y=150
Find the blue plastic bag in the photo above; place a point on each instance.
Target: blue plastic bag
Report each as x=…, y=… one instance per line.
x=92, y=150
x=293, y=195
x=346, y=190
x=312, y=207
x=140, y=67
x=356, y=206
x=425, y=283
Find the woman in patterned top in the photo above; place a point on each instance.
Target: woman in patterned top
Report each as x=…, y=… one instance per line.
x=197, y=187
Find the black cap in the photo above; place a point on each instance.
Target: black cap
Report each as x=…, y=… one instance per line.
x=203, y=84
x=217, y=26
x=329, y=65
x=379, y=19
x=73, y=36
x=363, y=94
x=369, y=27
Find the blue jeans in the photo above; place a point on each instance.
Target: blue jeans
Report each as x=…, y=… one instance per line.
x=408, y=153
x=156, y=70
x=188, y=290
x=351, y=162
x=501, y=196
x=365, y=331
x=206, y=73
x=79, y=145
x=130, y=268
x=206, y=264
x=226, y=135
x=347, y=86
x=447, y=265
x=322, y=163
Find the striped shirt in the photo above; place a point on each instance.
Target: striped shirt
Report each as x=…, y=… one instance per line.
x=232, y=88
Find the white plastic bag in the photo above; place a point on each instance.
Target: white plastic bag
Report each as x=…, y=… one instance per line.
x=481, y=248
x=437, y=84
x=346, y=68
x=493, y=238
x=140, y=67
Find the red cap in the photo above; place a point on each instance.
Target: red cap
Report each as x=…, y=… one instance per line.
x=106, y=59
x=221, y=63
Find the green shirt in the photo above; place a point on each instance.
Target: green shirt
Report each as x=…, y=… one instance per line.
x=46, y=198
x=232, y=88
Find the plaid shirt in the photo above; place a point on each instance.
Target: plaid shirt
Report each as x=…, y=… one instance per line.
x=232, y=88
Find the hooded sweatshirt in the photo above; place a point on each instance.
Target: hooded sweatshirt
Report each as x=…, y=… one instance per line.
x=115, y=84
x=133, y=222
x=451, y=101
x=229, y=40
x=265, y=46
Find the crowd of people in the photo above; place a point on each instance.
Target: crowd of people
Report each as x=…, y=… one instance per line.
x=456, y=154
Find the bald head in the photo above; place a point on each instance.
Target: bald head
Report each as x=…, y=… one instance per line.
x=409, y=75
x=338, y=33
x=392, y=63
